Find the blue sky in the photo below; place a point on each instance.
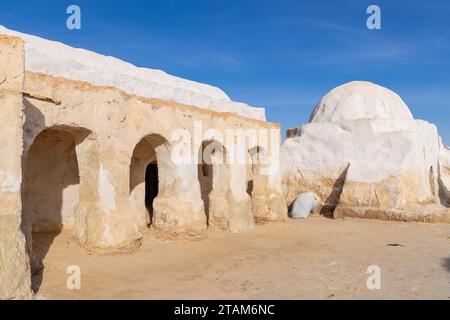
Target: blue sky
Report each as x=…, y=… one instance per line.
x=283, y=55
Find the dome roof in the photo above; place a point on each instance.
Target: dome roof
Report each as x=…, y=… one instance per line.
x=360, y=100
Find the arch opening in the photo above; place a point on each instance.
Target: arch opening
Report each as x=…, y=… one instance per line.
x=145, y=182
x=50, y=191
x=210, y=153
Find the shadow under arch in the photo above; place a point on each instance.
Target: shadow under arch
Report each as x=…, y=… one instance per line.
x=210, y=153
x=150, y=157
x=50, y=190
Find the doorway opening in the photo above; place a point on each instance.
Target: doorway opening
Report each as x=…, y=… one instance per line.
x=151, y=186
x=50, y=192
x=145, y=170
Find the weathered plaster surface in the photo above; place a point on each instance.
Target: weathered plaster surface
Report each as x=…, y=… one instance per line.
x=444, y=176
x=15, y=282
x=365, y=156
x=83, y=150
x=60, y=60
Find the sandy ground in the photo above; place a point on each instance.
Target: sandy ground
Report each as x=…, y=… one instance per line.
x=318, y=258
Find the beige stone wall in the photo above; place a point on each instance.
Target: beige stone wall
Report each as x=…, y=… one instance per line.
x=15, y=279
x=83, y=151
x=122, y=134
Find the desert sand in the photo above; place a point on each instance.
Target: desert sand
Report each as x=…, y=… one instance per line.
x=317, y=258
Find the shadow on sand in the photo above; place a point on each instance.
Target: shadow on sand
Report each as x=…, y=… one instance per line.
x=446, y=264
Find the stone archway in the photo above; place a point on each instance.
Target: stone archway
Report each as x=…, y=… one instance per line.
x=50, y=191
x=176, y=210
x=226, y=201
x=148, y=155
x=211, y=164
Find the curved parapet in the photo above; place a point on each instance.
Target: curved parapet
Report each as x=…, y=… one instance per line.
x=59, y=60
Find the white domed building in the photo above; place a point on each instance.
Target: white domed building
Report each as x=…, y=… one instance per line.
x=360, y=100
x=366, y=156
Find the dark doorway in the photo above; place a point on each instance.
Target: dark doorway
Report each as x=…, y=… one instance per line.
x=205, y=177
x=144, y=175
x=252, y=167
x=151, y=186
x=205, y=171
x=250, y=186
